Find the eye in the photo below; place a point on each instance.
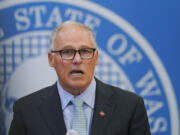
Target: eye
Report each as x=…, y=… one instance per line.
x=68, y=51
x=85, y=51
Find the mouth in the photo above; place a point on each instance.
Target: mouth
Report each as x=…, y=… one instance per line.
x=76, y=72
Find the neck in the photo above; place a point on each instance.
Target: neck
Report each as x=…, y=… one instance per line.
x=75, y=92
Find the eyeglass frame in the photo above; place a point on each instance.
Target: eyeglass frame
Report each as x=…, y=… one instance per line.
x=75, y=51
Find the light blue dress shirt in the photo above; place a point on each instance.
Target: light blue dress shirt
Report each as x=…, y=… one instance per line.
x=88, y=96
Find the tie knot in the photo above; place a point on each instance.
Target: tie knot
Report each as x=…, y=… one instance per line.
x=77, y=102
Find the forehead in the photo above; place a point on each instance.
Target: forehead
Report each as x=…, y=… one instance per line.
x=73, y=36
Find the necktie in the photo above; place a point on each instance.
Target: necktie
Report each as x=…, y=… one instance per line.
x=79, y=120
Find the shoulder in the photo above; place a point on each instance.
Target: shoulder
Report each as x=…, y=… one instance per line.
x=118, y=95
x=35, y=98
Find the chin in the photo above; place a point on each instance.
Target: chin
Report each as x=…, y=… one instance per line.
x=80, y=85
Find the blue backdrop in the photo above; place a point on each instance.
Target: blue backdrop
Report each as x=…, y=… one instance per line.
x=138, y=43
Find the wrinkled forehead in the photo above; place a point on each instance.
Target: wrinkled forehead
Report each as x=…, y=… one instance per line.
x=73, y=34
x=72, y=29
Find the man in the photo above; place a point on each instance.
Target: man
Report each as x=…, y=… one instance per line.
x=105, y=110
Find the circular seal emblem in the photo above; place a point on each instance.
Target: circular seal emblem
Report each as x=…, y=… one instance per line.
x=126, y=59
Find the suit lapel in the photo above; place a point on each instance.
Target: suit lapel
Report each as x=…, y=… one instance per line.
x=51, y=111
x=103, y=109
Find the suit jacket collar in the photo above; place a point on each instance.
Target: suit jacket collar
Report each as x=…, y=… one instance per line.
x=103, y=108
x=51, y=111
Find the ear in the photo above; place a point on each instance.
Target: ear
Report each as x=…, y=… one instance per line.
x=96, y=57
x=50, y=59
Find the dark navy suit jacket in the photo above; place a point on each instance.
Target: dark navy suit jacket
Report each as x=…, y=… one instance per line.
x=40, y=113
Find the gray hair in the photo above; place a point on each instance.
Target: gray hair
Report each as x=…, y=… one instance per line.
x=71, y=23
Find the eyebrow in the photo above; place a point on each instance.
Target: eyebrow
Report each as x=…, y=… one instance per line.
x=71, y=47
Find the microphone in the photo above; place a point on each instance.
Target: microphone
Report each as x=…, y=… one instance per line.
x=72, y=132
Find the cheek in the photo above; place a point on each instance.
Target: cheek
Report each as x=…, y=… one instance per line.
x=61, y=67
x=60, y=63
x=91, y=67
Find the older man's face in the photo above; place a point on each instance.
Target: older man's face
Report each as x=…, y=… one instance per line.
x=74, y=75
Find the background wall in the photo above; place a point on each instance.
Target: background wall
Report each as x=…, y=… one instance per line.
x=150, y=27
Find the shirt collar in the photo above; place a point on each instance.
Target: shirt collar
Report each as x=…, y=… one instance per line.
x=88, y=96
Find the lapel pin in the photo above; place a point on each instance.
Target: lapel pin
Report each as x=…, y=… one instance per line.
x=102, y=114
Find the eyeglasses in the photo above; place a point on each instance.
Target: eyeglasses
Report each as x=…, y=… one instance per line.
x=69, y=54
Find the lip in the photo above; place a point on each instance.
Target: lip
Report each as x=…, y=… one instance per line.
x=76, y=72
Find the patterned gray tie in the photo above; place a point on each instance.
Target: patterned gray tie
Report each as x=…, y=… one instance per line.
x=79, y=119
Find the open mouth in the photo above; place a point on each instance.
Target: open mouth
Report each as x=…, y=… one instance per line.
x=77, y=72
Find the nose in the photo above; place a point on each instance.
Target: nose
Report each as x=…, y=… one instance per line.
x=77, y=58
